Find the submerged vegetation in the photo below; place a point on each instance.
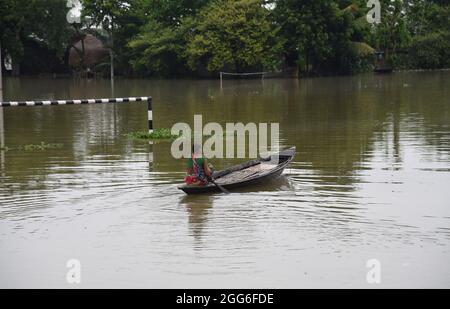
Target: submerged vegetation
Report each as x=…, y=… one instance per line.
x=33, y=147
x=202, y=37
x=157, y=134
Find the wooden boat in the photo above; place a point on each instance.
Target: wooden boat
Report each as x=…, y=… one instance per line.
x=260, y=170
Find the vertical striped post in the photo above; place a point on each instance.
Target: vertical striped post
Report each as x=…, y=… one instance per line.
x=150, y=115
x=2, y=144
x=150, y=129
x=1, y=74
x=2, y=128
x=2, y=134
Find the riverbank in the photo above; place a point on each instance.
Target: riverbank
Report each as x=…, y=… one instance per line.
x=269, y=75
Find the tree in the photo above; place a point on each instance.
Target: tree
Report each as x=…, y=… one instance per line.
x=170, y=13
x=237, y=35
x=318, y=32
x=392, y=35
x=431, y=51
x=43, y=21
x=158, y=47
x=428, y=22
x=352, y=53
x=158, y=50
x=425, y=16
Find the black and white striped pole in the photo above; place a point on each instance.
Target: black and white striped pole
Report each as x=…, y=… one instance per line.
x=69, y=102
x=150, y=129
x=2, y=133
x=150, y=114
x=87, y=101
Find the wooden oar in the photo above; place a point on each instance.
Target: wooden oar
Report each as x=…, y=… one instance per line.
x=218, y=186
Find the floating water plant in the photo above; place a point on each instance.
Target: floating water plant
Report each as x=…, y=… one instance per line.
x=158, y=134
x=33, y=147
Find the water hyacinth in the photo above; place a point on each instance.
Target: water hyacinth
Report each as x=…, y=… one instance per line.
x=34, y=147
x=158, y=134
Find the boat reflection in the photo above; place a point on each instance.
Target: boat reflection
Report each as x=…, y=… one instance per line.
x=197, y=208
x=281, y=183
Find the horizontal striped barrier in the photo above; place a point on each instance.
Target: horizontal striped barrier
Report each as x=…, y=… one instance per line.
x=67, y=102
x=87, y=101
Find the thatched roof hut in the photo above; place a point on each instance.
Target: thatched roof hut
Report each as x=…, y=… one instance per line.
x=94, y=52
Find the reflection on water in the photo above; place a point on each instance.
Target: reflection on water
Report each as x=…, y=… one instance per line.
x=197, y=209
x=369, y=180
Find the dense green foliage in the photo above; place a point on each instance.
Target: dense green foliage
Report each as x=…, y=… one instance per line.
x=429, y=27
x=321, y=35
x=233, y=35
x=431, y=51
x=158, y=50
x=41, y=21
x=392, y=35
x=202, y=37
x=22, y=19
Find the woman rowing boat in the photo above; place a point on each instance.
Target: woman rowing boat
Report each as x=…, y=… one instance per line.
x=256, y=171
x=198, y=170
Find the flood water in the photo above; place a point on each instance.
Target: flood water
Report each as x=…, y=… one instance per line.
x=370, y=180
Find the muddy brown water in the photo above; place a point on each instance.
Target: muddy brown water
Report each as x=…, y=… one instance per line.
x=370, y=180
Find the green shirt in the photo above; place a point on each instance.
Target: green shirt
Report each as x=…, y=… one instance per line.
x=200, y=163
